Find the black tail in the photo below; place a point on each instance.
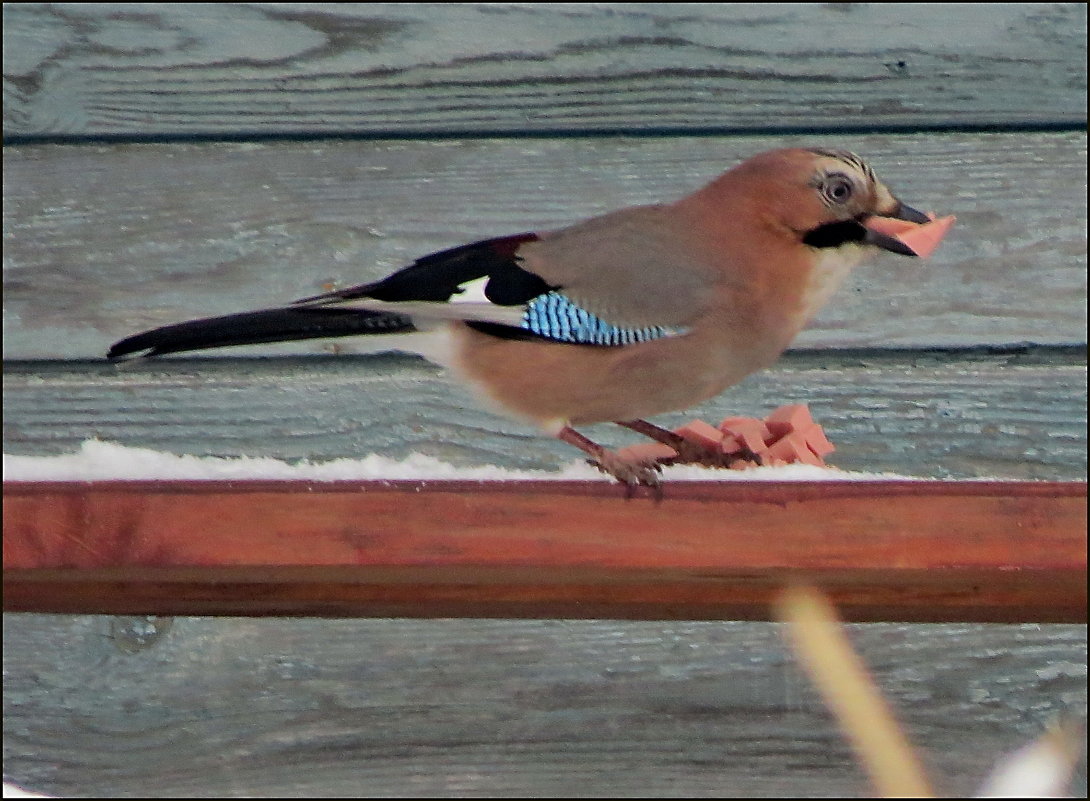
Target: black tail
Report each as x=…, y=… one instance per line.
x=250, y=328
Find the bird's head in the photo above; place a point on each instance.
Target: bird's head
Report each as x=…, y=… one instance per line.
x=830, y=198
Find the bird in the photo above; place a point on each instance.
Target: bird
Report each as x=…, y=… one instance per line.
x=634, y=313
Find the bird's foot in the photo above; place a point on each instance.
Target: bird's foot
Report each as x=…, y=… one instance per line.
x=709, y=456
x=697, y=443
x=633, y=472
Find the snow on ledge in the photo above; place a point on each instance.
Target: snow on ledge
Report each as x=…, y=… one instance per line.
x=102, y=461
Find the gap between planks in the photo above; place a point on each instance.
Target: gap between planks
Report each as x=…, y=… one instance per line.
x=922, y=551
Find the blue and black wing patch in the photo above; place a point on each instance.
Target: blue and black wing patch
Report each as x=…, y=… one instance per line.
x=556, y=317
x=553, y=317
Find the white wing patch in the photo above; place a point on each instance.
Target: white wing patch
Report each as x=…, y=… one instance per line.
x=472, y=291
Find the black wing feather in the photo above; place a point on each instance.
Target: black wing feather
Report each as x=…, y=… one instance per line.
x=251, y=328
x=440, y=276
x=437, y=277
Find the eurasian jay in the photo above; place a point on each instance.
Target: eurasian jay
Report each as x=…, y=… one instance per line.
x=641, y=311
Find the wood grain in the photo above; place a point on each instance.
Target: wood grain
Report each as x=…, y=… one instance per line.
x=1016, y=415
x=124, y=706
x=101, y=242
x=247, y=68
x=923, y=551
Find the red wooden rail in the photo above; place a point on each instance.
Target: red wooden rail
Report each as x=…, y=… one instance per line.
x=883, y=550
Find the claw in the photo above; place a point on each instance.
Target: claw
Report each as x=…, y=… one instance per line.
x=633, y=473
x=746, y=455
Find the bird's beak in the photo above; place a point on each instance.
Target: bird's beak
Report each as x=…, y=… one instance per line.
x=905, y=231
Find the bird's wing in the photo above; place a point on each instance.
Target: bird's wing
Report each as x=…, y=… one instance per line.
x=640, y=266
x=440, y=277
x=608, y=281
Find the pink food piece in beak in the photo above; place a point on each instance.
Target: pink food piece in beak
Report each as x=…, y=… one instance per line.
x=922, y=239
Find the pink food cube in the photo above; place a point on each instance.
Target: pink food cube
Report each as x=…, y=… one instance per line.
x=817, y=442
x=786, y=419
x=700, y=433
x=752, y=437
x=749, y=429
x=647, y=452
x=731, y=444
x=793, y=448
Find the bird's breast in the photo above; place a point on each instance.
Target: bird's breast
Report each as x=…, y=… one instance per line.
x=546, y=382
x=830, y=269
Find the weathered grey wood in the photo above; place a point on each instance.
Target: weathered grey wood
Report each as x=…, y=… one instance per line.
x=88, y=69
x=103, y=241
x=960, y=415
x=196, y=706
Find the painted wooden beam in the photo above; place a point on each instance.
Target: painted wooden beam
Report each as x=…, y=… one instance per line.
x=883, y=550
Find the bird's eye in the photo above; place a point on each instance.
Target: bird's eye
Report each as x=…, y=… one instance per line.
x=837, y=188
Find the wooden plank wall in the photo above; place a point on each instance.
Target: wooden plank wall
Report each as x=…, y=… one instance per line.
x=167, y=161
x=462, y=69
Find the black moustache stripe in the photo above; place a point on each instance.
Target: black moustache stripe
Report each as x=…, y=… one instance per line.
x=833, y=235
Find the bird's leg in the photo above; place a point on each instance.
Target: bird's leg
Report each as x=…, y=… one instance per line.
x=630, y=472
x=688, y=452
